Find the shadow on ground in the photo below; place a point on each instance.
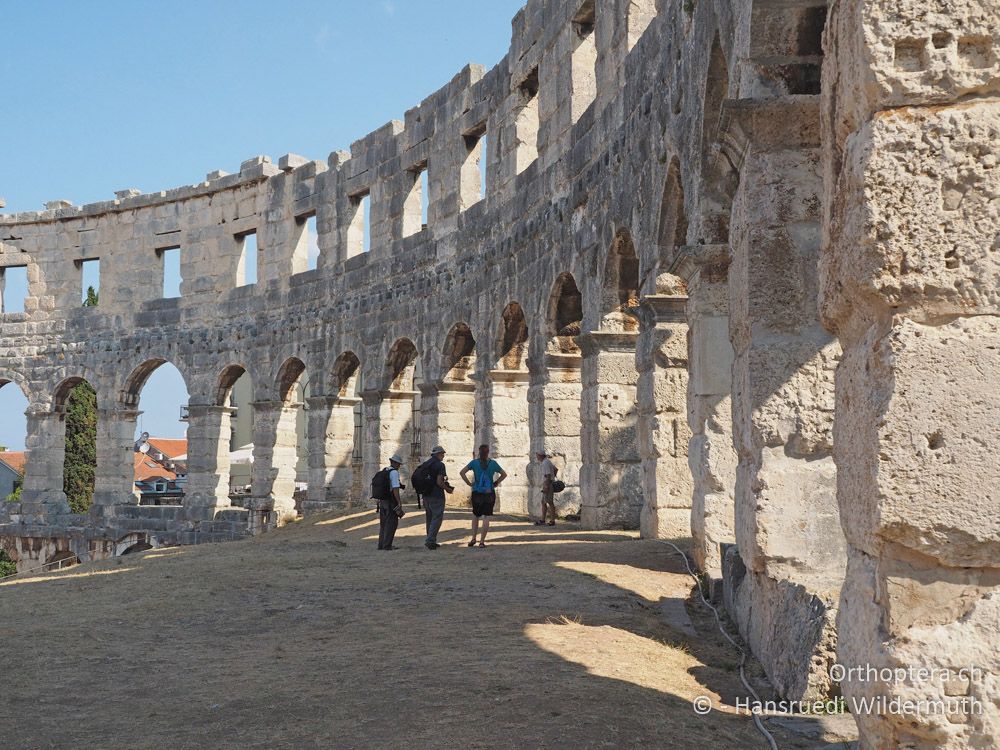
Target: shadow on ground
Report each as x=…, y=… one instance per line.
x=308, y=637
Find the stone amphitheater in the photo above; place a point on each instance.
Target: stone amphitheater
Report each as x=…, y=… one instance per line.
x=734, y=264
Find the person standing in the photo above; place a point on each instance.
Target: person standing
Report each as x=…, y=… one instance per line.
x=484, y=496
x=434, y=500
x=549, y=471
x=390, y=507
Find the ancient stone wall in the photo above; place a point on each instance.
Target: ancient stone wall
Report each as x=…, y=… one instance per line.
x=670, y=189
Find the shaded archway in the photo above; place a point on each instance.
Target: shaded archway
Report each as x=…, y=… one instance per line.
x=505, y=412
x=611, y=487
x=392, y=414
x=554, y=396
x=280, y=442
x=336, y=470
x=229, y=435
x=448, y=407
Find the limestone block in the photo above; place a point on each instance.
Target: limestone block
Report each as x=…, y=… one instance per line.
x=927, y=236
x=923, y=426
x=938, y=619
x=884, y=54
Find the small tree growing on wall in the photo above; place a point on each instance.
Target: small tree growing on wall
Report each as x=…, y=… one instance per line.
x=81, y=439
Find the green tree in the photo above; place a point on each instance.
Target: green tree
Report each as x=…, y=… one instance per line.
x=14, y=496
x=81, y=447
x=7, y=566
x=81, y=438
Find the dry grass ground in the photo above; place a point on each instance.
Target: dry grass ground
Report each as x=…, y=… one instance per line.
x=308, y=637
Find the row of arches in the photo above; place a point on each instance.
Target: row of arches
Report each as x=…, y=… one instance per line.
x=317, y=445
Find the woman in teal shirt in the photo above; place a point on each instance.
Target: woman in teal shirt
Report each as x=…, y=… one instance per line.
x=484, y=496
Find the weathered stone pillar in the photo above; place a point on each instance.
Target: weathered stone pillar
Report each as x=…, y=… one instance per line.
x=783, y=584
x=911, y=269
x=611, y=486
x=711, y=458
x=208, y=456
x=447, y=414
x=114, y=476
x=507, y=394
x=272, y=477
x=331, y=449
x=42, y=492
x=388, y=426
x=661, y=361
x=554, y=421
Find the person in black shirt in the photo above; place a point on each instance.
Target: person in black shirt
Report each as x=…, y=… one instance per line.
x=434, y=500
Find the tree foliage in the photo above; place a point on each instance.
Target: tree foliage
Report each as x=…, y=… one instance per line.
x=81, y=438
x=7, y=566
x=81, y=447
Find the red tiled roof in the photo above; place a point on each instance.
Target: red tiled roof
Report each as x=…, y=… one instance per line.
x=170, y=447
x=14, y=459
x=146, y=468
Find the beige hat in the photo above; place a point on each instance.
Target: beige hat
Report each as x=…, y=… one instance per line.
x=437, y=449
x=396, y=459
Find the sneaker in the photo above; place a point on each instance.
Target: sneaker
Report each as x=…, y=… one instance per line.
x=431, y=545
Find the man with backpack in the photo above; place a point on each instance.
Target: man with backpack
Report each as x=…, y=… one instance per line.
x=385, y=489
x=430, y=480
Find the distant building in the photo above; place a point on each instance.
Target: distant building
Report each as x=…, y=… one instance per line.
x=160, y=470
x=11, y=471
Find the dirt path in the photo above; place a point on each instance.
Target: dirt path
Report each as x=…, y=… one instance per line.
x=309, y=638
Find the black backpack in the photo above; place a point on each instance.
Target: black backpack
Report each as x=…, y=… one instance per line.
x=424, y=480
x=381, y=487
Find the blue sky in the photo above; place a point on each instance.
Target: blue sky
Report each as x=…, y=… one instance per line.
x=105, y=96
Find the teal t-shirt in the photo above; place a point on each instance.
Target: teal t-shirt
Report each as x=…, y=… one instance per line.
x=484, y=477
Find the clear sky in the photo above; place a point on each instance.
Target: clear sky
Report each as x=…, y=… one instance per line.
x=103, y=96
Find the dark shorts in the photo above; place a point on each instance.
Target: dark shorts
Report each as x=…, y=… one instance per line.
x=483, y=502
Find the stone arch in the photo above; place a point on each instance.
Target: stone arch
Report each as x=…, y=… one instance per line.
x=716, y=91
x=10, y=376
x=346, y=374
x=227, y=380
x=620, y=290
x=672, y=230
x=719, y=176
x=458, y=359
x=400, y=365
x=565, y=315
x=136, y=380
x=289, y=376
x=512, y=339
x=63, y=389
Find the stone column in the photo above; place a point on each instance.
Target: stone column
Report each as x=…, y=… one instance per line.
x=661, y=361
x=507, y=392
x=331, y=450
x=447, y=414
x=611, y=484
x=208, y=456
x=272, y=477
x=42, y=492
x=114, y=476
x=554, y=421
x=711, y=458
x=783, y=584
x=910, y=273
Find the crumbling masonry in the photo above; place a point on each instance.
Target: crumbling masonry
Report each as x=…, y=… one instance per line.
x=736, y=267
